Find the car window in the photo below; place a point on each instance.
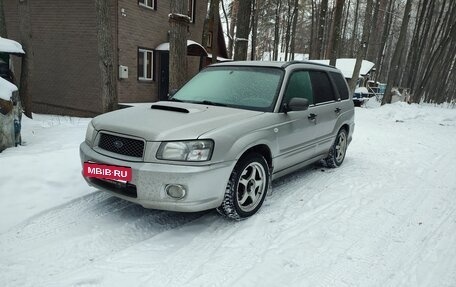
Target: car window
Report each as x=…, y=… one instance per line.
x=322, y=88
x=299, y=86
x=341, y=85
x=253, y=88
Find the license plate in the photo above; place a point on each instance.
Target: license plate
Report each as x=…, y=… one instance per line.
x=105, y=171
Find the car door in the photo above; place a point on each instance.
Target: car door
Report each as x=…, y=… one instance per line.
x=295, y=134
x=326, y=110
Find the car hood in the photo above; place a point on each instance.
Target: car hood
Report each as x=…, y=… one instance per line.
x=168, y=121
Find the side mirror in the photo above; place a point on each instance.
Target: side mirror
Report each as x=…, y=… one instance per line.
x=296, y=104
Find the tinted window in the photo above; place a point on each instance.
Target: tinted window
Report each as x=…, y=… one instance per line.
x=341, y=85
x=322, y=87
x=299, y=87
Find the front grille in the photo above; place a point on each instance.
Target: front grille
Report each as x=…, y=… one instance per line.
x=121, y=145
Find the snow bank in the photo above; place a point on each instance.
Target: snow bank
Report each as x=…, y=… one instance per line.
x=43, y=173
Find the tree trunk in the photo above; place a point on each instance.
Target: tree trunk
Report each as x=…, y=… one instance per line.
x=25, y=88
x=275, y=52
x=214, y=8
x=355, y=30
x=106, y=56
x=289, y=20
x=334, y=41
x=243, y=29
x=381, y=49
x=412, y=62
x=321, y=27
x=178, y=22
x=347, y=13
x=234, y=13
x=313, y=25
x=362, y=50
x=376, y=30
x=435, y=59
x=293, y=29
x=255, y=5
x=394, y=66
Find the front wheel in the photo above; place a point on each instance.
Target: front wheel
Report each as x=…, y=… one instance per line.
x=338, y=150
x=247, y=187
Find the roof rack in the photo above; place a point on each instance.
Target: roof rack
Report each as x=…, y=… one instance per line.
x=305, y=62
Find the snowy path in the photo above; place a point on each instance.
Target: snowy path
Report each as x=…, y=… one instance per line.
x=387, y=217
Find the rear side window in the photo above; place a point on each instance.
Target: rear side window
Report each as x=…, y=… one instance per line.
x=341, y=85
x=299, y=87
x=322, y=87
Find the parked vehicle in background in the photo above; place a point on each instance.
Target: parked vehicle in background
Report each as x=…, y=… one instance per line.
x=222, y=137
x=371, y=89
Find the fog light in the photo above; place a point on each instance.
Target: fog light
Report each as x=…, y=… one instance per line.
x=176, y=191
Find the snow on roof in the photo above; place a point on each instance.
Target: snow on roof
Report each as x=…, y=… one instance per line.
x=6, y=89
x=165, y=46
x=221, y=59
x=346, y=66
x=10, y=46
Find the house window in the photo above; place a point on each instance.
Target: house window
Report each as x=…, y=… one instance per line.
x=148, y=3
x=191, y=10
x=145, y=64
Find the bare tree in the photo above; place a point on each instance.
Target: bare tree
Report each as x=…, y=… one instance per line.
x=362, y=50
x=178, y=22
x=293, y=29
x=242, y=31
x=255, y=4
x=275, y=54
x=234, y=17
x=321, y=28
x=376, y=29
x=106, y=56
x=335, y=39
x=214, y=11
x=355, y=30
x=395, y=61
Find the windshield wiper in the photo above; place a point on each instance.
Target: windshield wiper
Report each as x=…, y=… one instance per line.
x=205, y=102
x=175, y=100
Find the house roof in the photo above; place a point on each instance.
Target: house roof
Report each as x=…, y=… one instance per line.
x=193, y=48
x=10, y=46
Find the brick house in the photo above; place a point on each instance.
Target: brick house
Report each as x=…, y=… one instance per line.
x=66, y=77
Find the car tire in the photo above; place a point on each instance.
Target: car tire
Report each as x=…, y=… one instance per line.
x=338, y=150
x=246, y=188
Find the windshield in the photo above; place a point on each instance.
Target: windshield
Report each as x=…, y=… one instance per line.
x=252, y=88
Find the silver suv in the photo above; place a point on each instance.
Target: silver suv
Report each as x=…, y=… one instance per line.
x=222, y=138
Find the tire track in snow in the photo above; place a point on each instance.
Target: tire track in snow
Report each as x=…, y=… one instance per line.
x=76, y=234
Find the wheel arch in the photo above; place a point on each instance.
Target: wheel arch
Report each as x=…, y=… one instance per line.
x=346, y=127
x=261, y=149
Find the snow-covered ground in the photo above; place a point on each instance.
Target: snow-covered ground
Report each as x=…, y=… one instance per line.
x=387, y=217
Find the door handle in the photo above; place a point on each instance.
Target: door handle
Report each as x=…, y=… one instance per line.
x=337, y=110
x=312, y=117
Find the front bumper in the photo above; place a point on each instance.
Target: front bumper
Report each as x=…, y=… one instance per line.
x=205, y=185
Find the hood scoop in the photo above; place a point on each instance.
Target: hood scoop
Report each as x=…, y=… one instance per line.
x=170, y=108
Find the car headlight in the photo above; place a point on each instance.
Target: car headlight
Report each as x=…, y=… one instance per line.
x=90, y=134
x=196, y=150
